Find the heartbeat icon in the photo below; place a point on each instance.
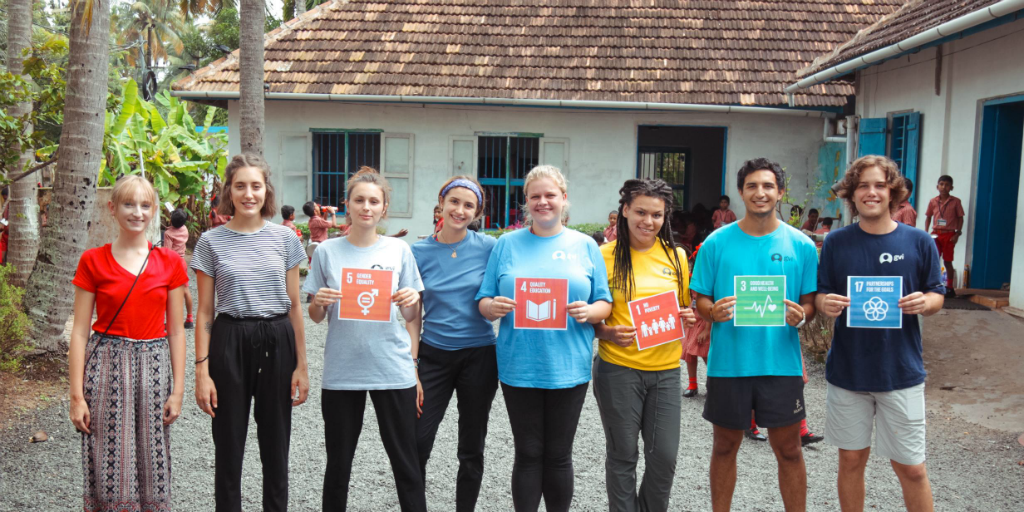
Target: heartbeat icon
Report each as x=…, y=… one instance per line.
x=768, y=306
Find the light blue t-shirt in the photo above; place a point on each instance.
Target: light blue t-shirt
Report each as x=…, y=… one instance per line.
x=729, y=252
x=365, y=355
x=546, y=359
x=451, y=318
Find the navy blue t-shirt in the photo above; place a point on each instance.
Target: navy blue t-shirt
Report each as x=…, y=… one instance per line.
x=877, y=359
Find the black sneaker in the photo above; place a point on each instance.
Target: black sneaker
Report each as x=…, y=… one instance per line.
x=189, y=324
x=950, y=293
x=690, y=393
x=755, y=434
x=810, y=438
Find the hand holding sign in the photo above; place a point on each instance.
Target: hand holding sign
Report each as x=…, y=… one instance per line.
x=913, y=304
x=326, y=296
x=579, y=310
x=833, y=305
x=501, y=306
x=405, y=297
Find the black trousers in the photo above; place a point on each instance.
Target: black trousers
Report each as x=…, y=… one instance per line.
x=473, y=374
x=252, y=359
x=396, y=419
x=544, y=425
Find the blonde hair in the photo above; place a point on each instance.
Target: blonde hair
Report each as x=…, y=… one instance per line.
x=367, y=174
x=554, y=174
x=131, y=187
x=240, y=161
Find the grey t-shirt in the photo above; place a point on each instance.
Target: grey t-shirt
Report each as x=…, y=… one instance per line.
x=365, y=355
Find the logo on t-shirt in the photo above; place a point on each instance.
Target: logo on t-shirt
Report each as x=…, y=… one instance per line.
x=377, y=266
x=889, y=258
x=665, y=271
x=777, y=256
x=562, y=255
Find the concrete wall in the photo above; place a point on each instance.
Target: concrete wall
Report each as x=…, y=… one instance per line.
x=1017, y=274
x=974, y=69
x=601, y=154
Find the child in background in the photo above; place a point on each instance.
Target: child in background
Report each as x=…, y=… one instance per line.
x=696, y=343
x=723, y=215
x=610, y=233
x=598, y=237
x=906, y=213
x=318, y=225
x=175, y=238
x=217, y=220
x=438, y=223
x=826, y=226
x=288, y=214
x=811, y=223
x=949, y=219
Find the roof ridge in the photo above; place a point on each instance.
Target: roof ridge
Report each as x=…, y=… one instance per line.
x=274, y=35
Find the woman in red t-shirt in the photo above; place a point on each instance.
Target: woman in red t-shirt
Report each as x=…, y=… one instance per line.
x=128, y=377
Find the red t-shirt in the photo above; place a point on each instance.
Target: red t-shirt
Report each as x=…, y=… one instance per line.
x=945, y=212
x=143, y=316
x=318, y=227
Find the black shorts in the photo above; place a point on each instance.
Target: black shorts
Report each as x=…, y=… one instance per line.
x=776, y=401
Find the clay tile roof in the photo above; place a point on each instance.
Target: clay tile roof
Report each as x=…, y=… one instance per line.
x=666, y=51
x=912, y=18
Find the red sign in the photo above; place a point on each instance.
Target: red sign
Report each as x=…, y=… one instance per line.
x=541, y=303
x=366, y=295
x=656, y=319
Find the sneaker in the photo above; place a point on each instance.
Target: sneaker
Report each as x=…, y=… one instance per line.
x=690, y=393
x=189, y=324
x=755, y=434
x=810, y=438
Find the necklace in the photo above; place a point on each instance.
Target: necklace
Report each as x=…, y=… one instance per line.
x=454, y=252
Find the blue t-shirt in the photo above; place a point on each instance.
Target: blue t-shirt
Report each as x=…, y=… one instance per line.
x=878, y=359
x=729, y=252
x=546, y=359
x=451, y=318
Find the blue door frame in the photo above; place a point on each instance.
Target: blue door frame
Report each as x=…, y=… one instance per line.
x=998, y=180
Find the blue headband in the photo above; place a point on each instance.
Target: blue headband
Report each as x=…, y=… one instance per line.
x=464, y=184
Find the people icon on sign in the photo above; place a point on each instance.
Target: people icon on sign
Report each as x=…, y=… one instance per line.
x=671, y=322
x=661, y=323
x=646, y=331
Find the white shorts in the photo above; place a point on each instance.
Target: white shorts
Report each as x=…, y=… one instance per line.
x=899, y=415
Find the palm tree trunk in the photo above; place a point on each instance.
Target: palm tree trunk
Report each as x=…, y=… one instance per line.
x=251, y=25
x=74, y=188
x=300, y=7
x=150, y=40
x=23, y=212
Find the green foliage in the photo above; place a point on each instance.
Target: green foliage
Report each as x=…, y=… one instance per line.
x=45, y=89
x=14, y=323
x=791, y=201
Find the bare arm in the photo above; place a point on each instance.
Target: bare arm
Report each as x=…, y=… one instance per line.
x=493, y=308
x=927, y=222
x=300, y=377
x=84, y=303
x=704, y=305
x=206, y=392
x=176, y=340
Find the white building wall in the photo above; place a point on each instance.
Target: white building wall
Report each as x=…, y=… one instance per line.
x=974, y=69
x=602, y=145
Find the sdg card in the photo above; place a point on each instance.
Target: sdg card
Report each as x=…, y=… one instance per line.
x=656, y=319
x=759, y=301
x=366, y=295
x=874, y=302
x=540, y=303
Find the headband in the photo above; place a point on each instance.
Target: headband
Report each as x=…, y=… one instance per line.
x=464, y=184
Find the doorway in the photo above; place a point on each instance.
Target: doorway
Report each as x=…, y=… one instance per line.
x=689, y=158
x=995, y=218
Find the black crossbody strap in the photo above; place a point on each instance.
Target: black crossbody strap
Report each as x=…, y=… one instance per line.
x=125, y=301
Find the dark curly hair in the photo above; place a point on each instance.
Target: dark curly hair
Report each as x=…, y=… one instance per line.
x=761, y=164
x=893, y=180
x=622, y=272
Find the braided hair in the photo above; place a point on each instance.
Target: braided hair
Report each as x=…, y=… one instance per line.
x=622, y=274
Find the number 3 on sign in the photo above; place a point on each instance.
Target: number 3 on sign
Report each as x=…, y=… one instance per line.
x=743, y=286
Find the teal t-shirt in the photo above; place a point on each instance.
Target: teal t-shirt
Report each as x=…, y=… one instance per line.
x=729, y=252
x=547, y=359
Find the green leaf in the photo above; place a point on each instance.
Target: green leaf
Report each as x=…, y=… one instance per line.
x=155, y=119
x=128, y=103
x=210, y=112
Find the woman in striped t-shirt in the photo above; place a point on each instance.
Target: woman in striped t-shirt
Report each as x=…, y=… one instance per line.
x=256, y=347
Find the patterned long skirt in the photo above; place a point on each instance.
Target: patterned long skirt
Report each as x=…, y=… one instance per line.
x=127, y=458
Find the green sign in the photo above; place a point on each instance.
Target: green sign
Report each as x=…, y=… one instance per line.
x=759, y=301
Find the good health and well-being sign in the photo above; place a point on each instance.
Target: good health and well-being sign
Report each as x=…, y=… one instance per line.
x=760, y=301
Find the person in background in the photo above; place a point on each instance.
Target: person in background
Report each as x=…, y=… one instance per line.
x=318, y=224
x=723, y=215
x=598, y=237
x=127, y=379
x=175, y=238
x=906, y=213
x=949, y=221
x=826, y=227
x=438, y=222
x=610, y=232
x=216, y=218
x=288, y=216
x=811, y=224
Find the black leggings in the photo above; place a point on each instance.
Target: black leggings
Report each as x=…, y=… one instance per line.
x=544, y=425
x=396, y=419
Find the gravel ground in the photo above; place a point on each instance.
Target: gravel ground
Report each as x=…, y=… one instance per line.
x=971, y=468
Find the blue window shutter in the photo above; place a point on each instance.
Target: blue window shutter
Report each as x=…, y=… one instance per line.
x=871, y=136
x=913, y=150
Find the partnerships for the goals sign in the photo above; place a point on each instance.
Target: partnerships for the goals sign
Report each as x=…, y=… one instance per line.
x=874, y=302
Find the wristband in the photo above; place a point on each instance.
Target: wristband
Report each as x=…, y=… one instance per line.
x=802, y=320
x=203, y=359
x=415, y=363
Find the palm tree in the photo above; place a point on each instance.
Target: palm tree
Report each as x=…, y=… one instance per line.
x=156, y=23
x=74, y=188
x=23, y=208
x=251, y=24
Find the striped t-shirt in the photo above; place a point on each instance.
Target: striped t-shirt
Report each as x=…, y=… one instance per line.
x=248, y=269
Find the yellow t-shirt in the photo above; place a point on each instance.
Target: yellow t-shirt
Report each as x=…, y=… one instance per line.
x=653, y=273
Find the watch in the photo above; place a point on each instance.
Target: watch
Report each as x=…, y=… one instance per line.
x=802, y=321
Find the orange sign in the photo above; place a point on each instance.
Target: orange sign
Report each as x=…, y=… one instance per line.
x=540, y=303
x=366, y=295
x=656, y=319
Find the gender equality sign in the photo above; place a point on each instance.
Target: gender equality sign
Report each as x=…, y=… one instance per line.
x=540, y=303
x=656, y=319
x=874, y=302
x=760, y=301
x=365, y=295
